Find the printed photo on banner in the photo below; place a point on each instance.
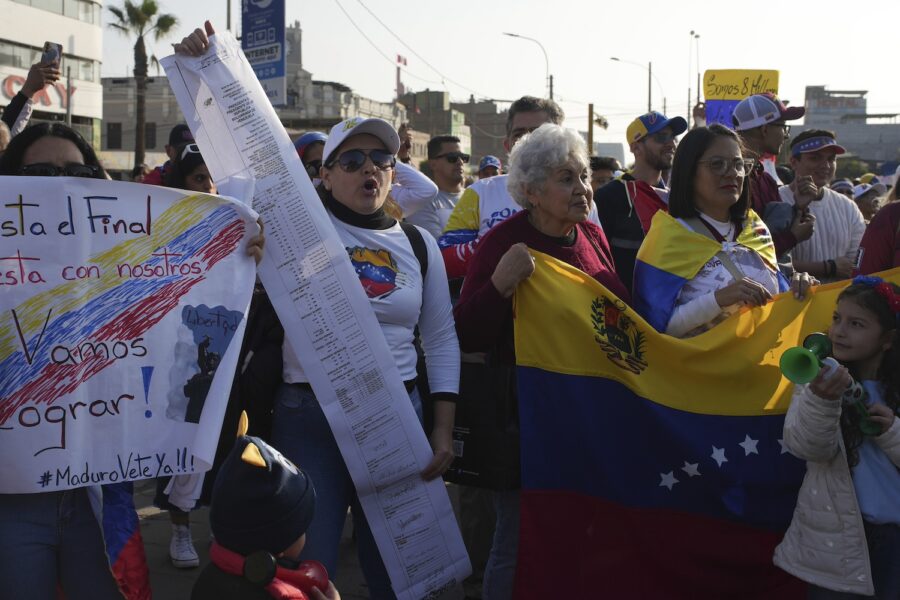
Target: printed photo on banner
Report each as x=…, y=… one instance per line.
x=122, y=311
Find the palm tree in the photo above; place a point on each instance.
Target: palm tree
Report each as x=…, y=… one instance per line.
x=141, y=19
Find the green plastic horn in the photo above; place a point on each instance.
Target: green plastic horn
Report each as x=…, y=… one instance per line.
x=802, y=364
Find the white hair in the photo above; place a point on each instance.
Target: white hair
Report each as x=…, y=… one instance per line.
x=537, y=155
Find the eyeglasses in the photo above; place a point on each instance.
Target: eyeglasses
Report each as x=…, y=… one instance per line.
x=720, y=166
x=353, y=160
x=662, y=137
x=313, y=167
x=452, y=157
x=70, y=170
x=784, y=127
x=190, y=149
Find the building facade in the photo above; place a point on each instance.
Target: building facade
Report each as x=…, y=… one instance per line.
x=317, y=105
x=431, y=113
x=487, y=126
x=163, y=113
x=874, y=138
x=76, y=25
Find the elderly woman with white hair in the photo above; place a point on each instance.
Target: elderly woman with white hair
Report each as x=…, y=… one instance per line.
x=549, y=176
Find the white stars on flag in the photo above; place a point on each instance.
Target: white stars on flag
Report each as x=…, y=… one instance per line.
x=667, y=480
x=718, y=455
x=749, y=446
x=691, y=469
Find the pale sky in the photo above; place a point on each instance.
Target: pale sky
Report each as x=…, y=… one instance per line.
x=810, y=42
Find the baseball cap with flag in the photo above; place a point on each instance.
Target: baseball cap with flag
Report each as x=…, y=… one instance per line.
x=762, y=109
x=651, y=123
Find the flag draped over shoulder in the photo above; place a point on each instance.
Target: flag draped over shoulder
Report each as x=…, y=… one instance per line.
x=653, y=467
x=672, y=254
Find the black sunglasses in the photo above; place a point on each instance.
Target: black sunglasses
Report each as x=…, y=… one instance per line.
x=452, y=157
x=70, y=170
x=312, y=168
x=353, y=160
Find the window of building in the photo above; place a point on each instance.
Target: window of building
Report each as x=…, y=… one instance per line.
x=83, y=10
x=49, y=5
x=150, y=136
x=114, y=136
x=22, y=57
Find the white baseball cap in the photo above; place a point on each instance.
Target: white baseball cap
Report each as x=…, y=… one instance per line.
x=762, y=109
x=380, y=128
x=864, y=188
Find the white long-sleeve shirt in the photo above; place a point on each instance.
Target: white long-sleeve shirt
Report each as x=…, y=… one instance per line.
x=390, y=272
x=411, y=189
x=839, y=228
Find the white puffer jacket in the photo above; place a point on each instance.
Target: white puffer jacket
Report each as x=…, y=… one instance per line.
x=826, y=543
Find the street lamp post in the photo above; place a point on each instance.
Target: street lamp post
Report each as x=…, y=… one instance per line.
x=650, y=78
x=546, y=60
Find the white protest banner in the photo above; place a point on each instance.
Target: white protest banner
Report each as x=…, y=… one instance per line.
x=328, y=320
x=122, y=308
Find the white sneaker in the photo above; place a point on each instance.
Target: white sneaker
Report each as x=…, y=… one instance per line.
x=181, y=548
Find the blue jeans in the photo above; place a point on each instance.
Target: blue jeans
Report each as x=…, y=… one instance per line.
x=301, y=432
x=500, y=572
x=50, y=538
x=884, y=560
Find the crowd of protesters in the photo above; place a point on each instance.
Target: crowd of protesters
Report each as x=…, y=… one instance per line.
x=464, y=249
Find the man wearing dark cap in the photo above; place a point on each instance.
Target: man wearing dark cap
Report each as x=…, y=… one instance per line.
x=760, y=120
x=627, y=204
x=262, y=505
x=831, y=253
x=489, y=166
x=180, y=135
x=309, y=148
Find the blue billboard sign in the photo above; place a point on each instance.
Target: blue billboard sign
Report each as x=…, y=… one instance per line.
x=262, y=39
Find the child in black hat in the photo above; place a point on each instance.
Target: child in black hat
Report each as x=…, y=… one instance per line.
x=261, y=507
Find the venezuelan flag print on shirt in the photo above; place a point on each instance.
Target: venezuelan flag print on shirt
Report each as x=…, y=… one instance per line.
x=653, y=467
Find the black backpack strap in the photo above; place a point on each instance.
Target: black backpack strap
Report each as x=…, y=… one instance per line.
x=418, y=246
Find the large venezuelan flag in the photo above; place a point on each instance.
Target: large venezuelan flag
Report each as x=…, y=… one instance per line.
x=653, y=467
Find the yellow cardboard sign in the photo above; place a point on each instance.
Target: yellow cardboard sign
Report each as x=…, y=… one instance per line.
x=737, y=84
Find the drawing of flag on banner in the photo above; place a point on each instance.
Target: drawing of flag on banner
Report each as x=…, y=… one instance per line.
x=201, y=230
x=653, y=467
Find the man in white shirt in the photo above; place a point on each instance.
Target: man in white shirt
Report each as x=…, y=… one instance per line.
x=447, y=163
x=831, y=253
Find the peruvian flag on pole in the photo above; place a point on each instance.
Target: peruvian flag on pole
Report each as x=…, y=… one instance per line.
x=401, y=60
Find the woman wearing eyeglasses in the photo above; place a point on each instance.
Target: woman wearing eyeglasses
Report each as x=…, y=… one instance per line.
x=53, y=539
x=711, y=254
x=358, y=165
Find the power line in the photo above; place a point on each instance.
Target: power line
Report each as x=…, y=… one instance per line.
x=377, y=49
x=419, y=56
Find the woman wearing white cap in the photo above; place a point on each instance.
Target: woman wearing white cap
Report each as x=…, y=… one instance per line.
x=402, y=272
x=356, y=179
